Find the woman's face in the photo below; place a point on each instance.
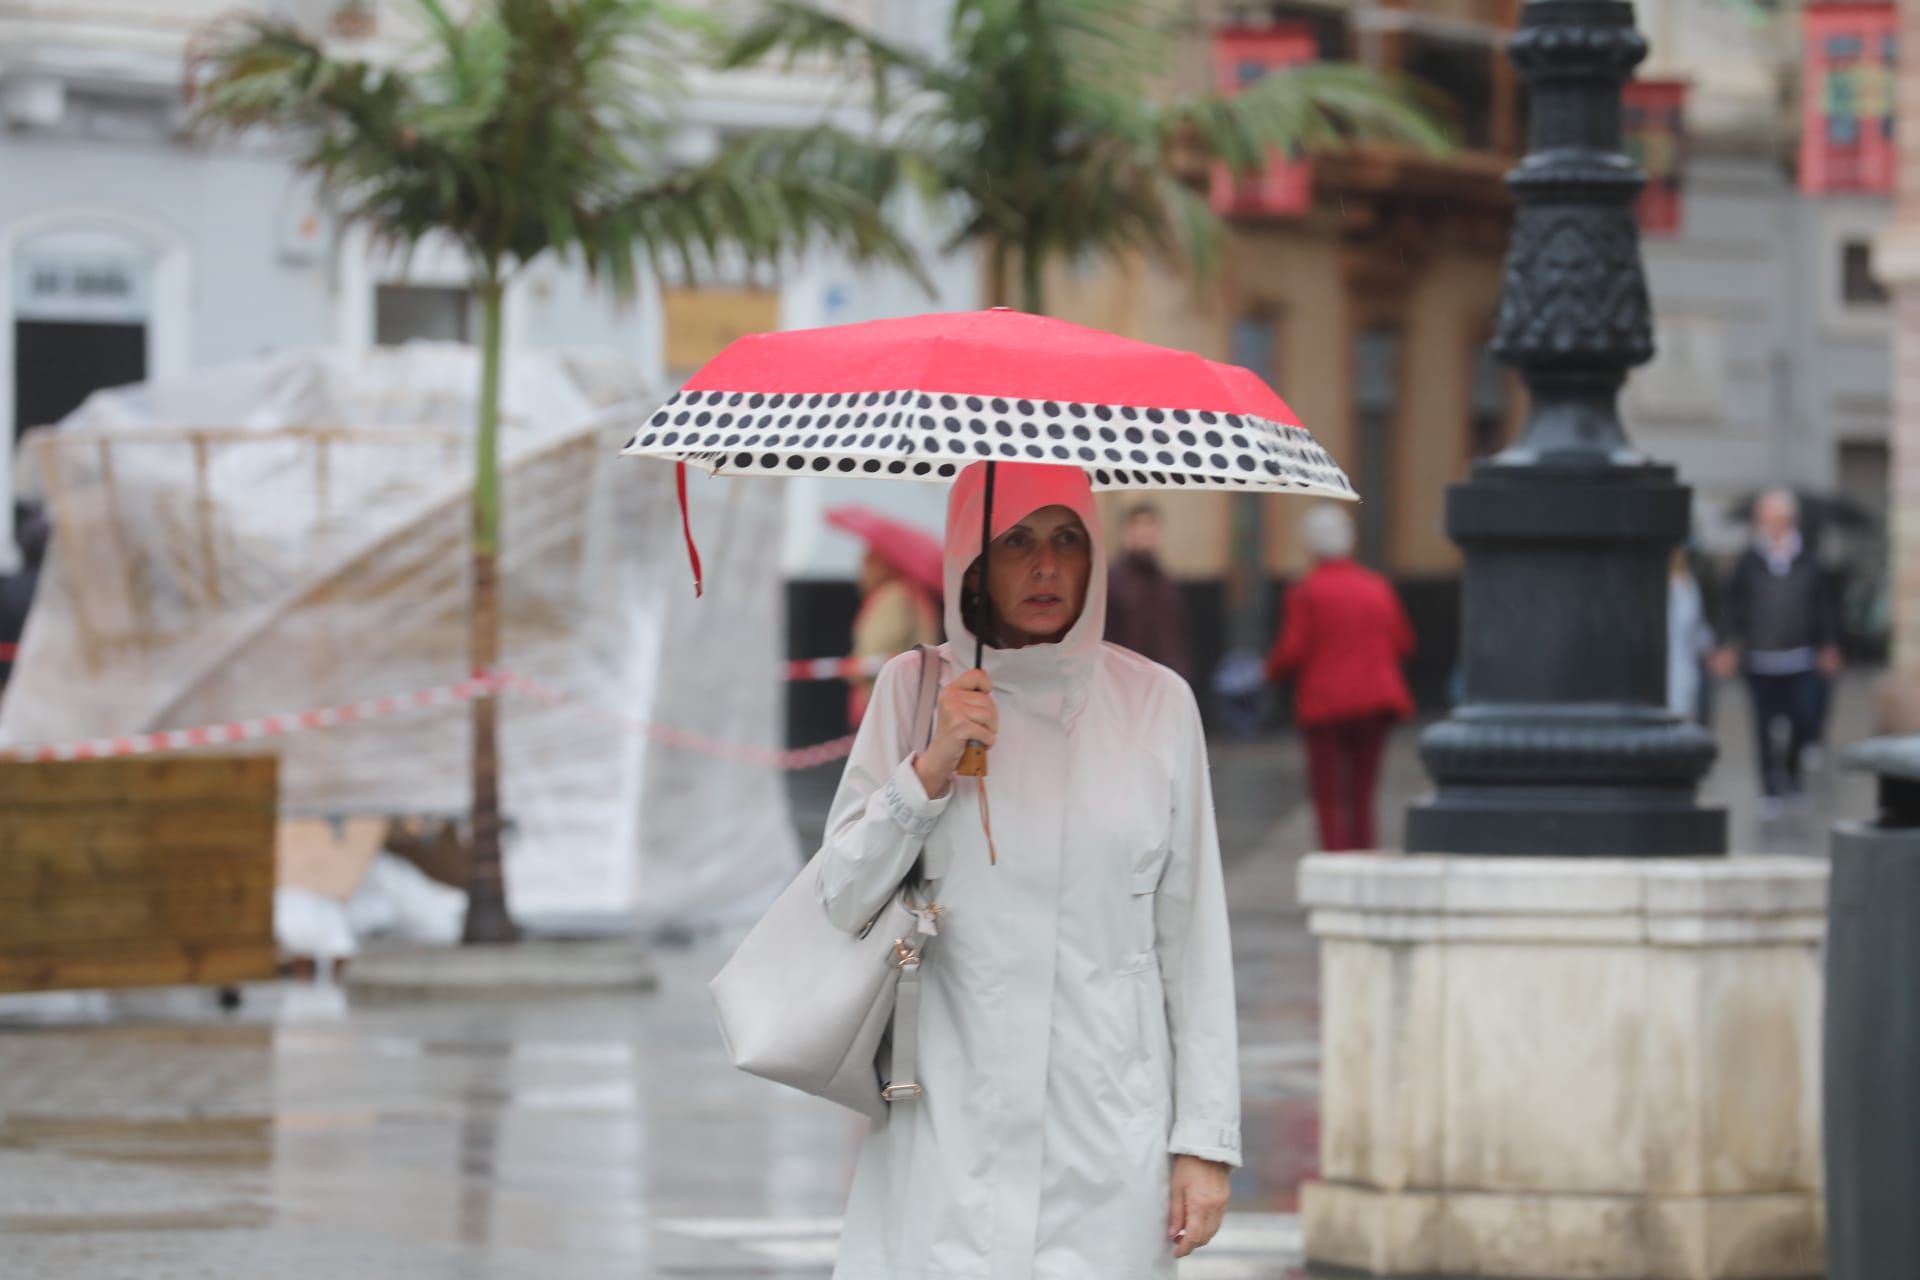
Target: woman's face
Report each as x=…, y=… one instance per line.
x=1037, y=576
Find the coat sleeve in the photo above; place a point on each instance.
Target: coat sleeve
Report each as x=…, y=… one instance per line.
x=881, y=814
x=1404, y=641
x=1196, y=965
x=1290, y=650
x=1733, y=612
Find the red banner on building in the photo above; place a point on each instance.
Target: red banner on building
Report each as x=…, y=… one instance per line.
x=1243, y=56
x=1653, y=122
x=1847, y=97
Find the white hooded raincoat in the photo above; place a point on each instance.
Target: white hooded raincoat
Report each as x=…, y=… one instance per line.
x=1077, y=1020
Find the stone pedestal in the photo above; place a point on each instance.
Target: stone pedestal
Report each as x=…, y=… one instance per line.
x=1568, y=1068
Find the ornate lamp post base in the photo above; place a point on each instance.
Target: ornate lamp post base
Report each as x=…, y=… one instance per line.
x=1564, y=745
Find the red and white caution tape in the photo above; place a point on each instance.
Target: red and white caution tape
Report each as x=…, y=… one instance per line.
x=800, y=669
x=276, y=726
x=835, y=668
x=682, y=740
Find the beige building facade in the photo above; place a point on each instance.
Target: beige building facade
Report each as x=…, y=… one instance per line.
x=1370, y=312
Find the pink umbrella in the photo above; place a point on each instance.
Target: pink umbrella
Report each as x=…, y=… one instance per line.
x=912, y=551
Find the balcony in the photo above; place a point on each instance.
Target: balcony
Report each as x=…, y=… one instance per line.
x=1456, y=50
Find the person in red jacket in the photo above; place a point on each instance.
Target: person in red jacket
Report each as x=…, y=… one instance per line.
x=1344, y=637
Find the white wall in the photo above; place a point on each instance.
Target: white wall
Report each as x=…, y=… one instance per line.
x=1761, y=373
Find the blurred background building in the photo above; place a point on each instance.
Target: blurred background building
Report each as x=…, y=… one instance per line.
x=1362, y=283
x=130, y=251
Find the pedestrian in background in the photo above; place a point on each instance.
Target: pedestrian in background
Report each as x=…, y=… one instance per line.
x=1342, y=641
x=1783, y=632
x=1145, y=610
x=1689, y=640
x=896, y=613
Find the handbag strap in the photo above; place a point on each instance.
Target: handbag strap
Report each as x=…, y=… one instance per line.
x=927, y=700
x=904, y=1058
x=920, y=736
x=903, y=1068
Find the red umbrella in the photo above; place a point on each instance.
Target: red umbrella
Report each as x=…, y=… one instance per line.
x=911, y=550
x=921, y=397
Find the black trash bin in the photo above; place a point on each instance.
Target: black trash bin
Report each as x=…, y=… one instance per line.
x=1872, y=1038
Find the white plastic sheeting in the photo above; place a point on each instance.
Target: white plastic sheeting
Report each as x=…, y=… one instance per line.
x=292, y=533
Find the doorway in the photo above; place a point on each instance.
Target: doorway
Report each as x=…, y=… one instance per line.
x=1255, y=340
x=1376, y=400
x=59, y=363
x=80, y=319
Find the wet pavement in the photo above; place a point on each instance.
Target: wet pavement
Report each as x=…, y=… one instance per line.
x=154, y=1136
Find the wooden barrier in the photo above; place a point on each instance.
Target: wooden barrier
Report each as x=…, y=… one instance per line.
x=137, y=872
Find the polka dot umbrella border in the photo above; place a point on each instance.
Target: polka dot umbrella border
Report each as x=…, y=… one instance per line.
x=922, y=397
x=915, y=435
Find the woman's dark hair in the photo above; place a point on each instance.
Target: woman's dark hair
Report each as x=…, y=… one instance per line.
x=971, y=598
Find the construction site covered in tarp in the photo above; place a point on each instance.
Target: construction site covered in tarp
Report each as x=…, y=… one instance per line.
x=291, y=534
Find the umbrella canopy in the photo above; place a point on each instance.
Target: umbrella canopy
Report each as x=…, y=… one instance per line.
x=912, y=551
x=921, y=397
x=925, y=396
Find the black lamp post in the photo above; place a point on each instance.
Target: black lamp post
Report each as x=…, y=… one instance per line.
x=1563, y=744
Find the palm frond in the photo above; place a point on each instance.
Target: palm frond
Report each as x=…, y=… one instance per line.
x=1309, y=107
x=761, y=198
x=800, y=32
x=523, y=127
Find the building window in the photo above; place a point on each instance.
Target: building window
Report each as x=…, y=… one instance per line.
x=405, y=313
x=1463, y=71
x=1859, y=286
x=1376, y=396
x=1487, y=407
x=1332, y=36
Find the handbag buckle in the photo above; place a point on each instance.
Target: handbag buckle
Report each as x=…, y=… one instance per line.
x=904, y=956
x=897, y=1092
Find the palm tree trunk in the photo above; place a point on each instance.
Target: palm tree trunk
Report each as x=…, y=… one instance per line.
x=1033, y=290
x=487, y=918
x=997, y=273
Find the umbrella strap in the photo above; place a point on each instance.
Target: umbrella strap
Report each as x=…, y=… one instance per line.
x=986, y=825
x=686, y=524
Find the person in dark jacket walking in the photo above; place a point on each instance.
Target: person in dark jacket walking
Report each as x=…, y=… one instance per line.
x=1783, y=632
x=1145, y=610
x=1343, y=639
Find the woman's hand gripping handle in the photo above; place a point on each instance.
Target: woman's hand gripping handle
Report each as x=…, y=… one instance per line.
x=965, y=715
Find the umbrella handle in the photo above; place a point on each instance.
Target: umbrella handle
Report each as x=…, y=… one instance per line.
x=973, y=761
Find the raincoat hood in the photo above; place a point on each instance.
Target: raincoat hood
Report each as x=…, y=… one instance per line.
x=1037, y=671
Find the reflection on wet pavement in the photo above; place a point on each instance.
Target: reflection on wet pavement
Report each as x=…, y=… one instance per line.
x=153, y=1136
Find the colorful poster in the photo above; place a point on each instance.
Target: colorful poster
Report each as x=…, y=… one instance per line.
x=1243, y=56
x=1847, y=98
x=1653, y=125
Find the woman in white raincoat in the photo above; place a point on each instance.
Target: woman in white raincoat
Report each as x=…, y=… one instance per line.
x=1077, y=1038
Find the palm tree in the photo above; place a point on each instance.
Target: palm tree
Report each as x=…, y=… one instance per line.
x=1046, y=121
x=519, y=129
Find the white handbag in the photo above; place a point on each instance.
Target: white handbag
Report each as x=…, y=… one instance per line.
x=807, y=1005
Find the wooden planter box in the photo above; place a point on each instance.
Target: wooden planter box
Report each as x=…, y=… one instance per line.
x=137, y=872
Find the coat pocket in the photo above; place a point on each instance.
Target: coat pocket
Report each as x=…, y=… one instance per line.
x=1141, y=954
